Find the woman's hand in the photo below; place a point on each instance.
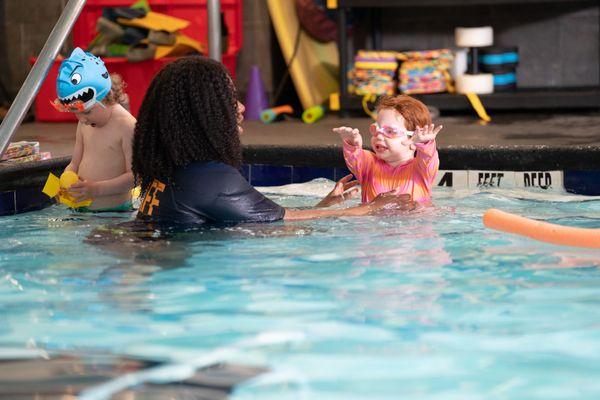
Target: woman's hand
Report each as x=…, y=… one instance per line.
x=392, y=201
x=387, y=201
x=422, y=135
x=83, y=190
x=344, y=189
x=349, y=135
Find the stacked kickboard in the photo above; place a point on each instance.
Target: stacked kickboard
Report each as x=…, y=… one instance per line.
x=374, y=72
x=425, y=71
x=18, y=152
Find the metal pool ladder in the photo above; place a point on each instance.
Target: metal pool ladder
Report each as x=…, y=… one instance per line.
x=40, y=69
x=38, y=73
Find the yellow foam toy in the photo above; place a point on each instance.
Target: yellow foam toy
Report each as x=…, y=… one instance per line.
x=68, y=179
x=53, y=186
x=136, y=193
x=157, y=22
x=183, y=45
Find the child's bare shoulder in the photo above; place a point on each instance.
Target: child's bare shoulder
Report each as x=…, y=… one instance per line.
x=124, y=122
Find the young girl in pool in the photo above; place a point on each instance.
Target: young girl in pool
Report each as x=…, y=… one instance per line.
x=404, y=157
x=187, y=151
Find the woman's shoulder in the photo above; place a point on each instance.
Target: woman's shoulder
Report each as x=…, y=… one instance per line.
x=210, y=167
x=207, y=170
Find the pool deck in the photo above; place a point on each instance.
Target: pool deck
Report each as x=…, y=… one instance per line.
x=506, y=130
x=510, y=142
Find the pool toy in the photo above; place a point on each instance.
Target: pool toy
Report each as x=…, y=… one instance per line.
x=542, y=231
x=82, y=81
x=271, y=114
x=67, y=179
x=313, y=65
x=183, y=45
x=136, y=192
x=256, y=96
x=20, y=149
x=156, y=21
x=374, y=72
x=499, y=59
x=473, y=82
x=53, y=187
x=425, y=71
x=313, y=114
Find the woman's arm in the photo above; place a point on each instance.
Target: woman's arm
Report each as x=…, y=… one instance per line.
x=293, y=215
x=388, y=200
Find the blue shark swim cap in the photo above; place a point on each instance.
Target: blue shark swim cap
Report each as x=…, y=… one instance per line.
x=83, y=79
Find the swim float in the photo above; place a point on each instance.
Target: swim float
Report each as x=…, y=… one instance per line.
x=540, y=230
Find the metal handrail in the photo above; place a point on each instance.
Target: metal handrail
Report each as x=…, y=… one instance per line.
x=38, y=73
x=214, y=29
x=61, y=30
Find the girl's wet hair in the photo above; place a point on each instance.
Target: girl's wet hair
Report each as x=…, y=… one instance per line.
x=189, y=114
x=414, y=112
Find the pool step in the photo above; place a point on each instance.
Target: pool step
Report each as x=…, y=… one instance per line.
x=39, y=375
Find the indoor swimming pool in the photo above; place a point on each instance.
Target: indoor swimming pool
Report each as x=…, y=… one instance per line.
x=426, y=305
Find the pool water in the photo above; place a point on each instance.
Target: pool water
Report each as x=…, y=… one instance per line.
x=429, y=305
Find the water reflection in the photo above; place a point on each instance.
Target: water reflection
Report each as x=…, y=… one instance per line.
x=143, y=249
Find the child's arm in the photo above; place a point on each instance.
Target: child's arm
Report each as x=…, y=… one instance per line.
x=423, y=141
x=77, y=151
x=85, y=189
x=353, y=151
x=350, y=136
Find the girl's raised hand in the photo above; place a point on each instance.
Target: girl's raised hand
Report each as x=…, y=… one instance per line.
x=349, y=135
x=422, y=135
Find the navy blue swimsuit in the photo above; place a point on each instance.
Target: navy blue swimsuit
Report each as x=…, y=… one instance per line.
x=207, y=192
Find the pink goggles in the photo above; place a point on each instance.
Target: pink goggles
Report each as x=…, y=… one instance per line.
x=390, y=132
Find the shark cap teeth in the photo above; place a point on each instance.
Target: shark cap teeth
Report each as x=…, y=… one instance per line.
x=83, y=77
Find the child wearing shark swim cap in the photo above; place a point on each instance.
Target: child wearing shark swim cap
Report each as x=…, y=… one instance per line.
x=102, y=153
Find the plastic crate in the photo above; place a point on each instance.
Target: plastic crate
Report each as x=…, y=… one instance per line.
x=138, y=76
x=191, y=10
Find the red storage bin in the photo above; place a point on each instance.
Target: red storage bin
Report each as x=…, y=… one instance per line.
x=138, y=76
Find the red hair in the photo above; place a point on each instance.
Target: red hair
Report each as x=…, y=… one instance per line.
x=414, y=112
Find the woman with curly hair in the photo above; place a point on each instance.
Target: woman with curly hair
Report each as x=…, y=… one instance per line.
x=187, y=151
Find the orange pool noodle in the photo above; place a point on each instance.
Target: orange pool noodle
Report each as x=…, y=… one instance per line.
x=542, y=231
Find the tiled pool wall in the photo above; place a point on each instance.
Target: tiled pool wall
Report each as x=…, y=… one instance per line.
x=578, y=182
x=23, y=199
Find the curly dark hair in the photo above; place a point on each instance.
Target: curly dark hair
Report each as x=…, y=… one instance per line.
x=189, y=114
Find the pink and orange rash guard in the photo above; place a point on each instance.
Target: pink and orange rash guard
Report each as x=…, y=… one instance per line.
x=414, y=177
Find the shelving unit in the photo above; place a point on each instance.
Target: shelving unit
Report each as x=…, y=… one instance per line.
x=521, y=99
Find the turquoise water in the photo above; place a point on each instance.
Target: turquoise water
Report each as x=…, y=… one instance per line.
x=421, y=306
